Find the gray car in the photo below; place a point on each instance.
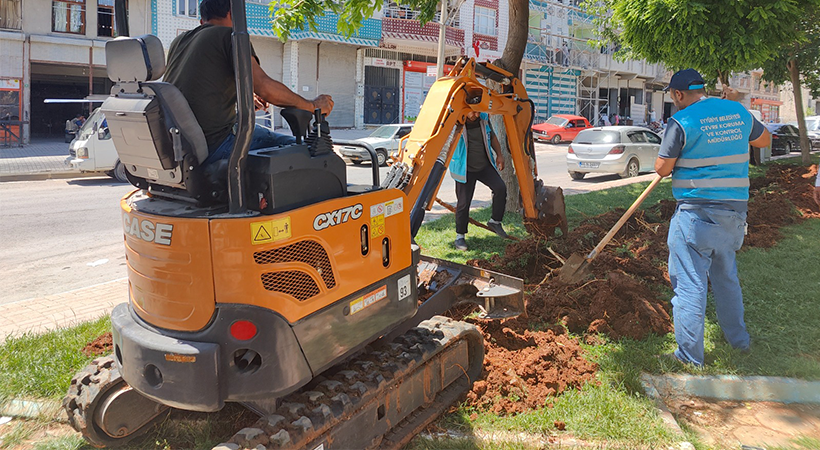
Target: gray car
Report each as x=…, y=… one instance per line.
x=624, y=150
x=385, y=140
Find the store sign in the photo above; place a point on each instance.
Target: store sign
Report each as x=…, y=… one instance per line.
x=381, y=62
x=9, y=84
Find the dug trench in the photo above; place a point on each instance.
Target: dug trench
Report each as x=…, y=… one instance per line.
x=531, y=359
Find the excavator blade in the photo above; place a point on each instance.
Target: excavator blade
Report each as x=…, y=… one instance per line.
x=552, y=214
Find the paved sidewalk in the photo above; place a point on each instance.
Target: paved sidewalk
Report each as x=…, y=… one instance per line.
x=62, y=310
x=41, y=159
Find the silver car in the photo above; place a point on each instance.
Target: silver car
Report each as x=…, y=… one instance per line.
x=385, y=140
x=626, y=151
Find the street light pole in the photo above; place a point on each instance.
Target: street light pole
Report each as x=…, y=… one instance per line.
x=442, y=33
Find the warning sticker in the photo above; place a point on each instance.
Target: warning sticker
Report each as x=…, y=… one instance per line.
x=368, y=300
x=393, y=207
x=377, y=226
x=270, y=231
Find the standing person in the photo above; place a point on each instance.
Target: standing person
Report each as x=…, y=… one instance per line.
x=473, y=161
x=200, y=65
x=705, y=148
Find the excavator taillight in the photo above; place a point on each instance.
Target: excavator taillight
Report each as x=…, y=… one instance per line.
x=243, y=330
x=570, y=149
x=617, y=150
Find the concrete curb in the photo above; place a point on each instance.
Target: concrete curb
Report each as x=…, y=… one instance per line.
x=648, y=383
x=730, y=387
x=39, y=176
x=33, y=409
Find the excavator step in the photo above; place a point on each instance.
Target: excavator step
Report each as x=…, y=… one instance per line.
x=380, y=399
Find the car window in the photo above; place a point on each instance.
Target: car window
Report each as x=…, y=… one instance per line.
x=403, y=131
x=580, y=124
x=636, y=137
x=651, y=137
x=557, y=121
x=794, y=131
x=597, y=137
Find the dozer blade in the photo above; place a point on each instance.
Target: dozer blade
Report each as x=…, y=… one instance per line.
x=552, y=214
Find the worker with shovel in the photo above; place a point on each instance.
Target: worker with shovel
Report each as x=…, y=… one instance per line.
x=705, y=149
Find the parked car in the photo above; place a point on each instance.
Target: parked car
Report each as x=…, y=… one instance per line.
x=93, y=150
x=385, y=140
x=625, y=150
x=813, y=127
x=785, y=138
x=560, y=127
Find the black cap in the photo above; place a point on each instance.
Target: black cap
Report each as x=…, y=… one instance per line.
x=685, y=80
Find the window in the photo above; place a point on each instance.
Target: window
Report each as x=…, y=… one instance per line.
x=11, y=14
x=579, y=123
x=651, y=137
x=403, y=131
x=106, y=20
x=188, y=8
x=637, y=137
x=68, y=16
x=485, y=21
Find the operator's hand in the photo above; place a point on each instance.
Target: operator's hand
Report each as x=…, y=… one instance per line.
x=499, y=161
x=260, y=103
x=731, y=94
x=817, y=195
x=323, y=102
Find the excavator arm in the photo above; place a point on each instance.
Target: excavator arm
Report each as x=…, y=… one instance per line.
x=425, y=153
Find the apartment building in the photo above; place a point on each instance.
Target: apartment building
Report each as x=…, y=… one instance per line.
x=56, y=49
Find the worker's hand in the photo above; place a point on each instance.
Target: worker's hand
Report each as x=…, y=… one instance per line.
x=260, y=103
x=731, y=94
x=817, y=195
x=323, y=102
x=499, y=161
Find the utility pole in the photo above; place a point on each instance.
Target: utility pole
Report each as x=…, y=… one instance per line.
x=442, y=33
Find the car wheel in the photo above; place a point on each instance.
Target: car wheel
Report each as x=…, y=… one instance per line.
x=632, y=169
x=577, y=175
x=556, y=139
x=119, y=172
x=381, y=157
x=356, y=162
x=789, y=147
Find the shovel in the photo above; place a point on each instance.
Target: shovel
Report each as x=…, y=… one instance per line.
x=577, y=266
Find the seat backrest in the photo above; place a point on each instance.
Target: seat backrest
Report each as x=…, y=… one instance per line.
x=151, y=123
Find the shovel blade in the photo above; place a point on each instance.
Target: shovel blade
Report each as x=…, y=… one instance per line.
x=574, y=270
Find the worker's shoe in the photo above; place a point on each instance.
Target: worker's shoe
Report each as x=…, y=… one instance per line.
x=461, y=244
x=670, y=358
x=497, y=229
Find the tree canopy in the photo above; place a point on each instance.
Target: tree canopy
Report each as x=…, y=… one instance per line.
x=804, y=52
x=716, y=37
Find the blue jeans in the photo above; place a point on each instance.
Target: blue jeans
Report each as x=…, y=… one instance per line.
x=262, y=138
x=702, y=243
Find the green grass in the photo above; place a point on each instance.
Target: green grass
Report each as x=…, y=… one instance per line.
x=41, y=365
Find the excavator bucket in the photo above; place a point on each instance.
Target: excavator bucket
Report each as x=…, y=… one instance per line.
x=552, y=214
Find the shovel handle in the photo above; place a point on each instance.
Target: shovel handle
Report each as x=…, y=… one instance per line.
x=623, y=219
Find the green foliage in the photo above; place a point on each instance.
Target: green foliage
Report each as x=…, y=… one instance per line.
x=295, y=15
x=716, y=37
x=804, y=50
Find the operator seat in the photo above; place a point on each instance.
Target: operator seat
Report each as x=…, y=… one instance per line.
x=156, y=134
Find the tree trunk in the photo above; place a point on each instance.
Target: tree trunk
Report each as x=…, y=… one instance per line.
x=516, y=36
x=511, y=62
x=805, y=145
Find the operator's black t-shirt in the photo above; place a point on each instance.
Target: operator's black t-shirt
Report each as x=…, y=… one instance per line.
x=200, y=65
x=477, y=158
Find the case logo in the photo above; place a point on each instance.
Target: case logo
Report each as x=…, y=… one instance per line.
x=333, y=218
x=146, y=230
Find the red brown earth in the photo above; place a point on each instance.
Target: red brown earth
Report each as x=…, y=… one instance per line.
x=101, y=345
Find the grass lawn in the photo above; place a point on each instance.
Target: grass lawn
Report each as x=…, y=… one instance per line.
x=782, y=297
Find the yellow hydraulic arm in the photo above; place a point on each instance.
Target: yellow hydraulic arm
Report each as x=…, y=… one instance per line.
x=425, y=153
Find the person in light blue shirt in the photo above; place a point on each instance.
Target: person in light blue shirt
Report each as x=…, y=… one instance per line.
x=705, y=149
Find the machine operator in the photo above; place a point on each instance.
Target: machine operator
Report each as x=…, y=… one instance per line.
x=200, y=65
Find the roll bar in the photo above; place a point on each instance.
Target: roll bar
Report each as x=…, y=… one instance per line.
x=244, y=107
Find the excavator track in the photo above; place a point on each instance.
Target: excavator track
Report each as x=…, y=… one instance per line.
x=381, y=398
x=104, y=409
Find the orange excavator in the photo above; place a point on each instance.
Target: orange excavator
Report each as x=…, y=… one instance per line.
x=270, y=281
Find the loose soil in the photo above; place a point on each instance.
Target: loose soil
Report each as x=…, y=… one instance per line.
x=626, y=296
x=101, y=345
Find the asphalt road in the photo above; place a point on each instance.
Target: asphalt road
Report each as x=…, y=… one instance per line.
x=60, y=235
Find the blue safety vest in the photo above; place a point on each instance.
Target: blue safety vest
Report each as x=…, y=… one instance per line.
x=458, y=163
x=714, y=161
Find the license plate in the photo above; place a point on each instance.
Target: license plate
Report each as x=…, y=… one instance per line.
x=589, y=165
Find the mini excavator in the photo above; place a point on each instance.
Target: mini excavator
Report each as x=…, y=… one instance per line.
x=269, y=281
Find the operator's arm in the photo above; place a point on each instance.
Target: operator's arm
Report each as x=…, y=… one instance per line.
x=499, y=157
x=760, y=136
x=671, y=146
x=277, y=93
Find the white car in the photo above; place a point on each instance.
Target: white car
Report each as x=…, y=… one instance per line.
x=385, y=140
x=813, y=129
x=624, y=150
x=92, y=151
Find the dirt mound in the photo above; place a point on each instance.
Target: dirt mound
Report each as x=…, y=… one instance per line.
x=101, y=345
x=622, y=298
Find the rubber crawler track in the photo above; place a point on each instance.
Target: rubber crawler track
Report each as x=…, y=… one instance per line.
x=84, y=392
x=305, y=417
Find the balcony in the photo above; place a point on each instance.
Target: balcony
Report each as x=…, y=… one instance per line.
x=405, y=32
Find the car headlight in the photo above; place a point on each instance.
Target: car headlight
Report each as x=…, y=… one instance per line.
x=82, y=153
